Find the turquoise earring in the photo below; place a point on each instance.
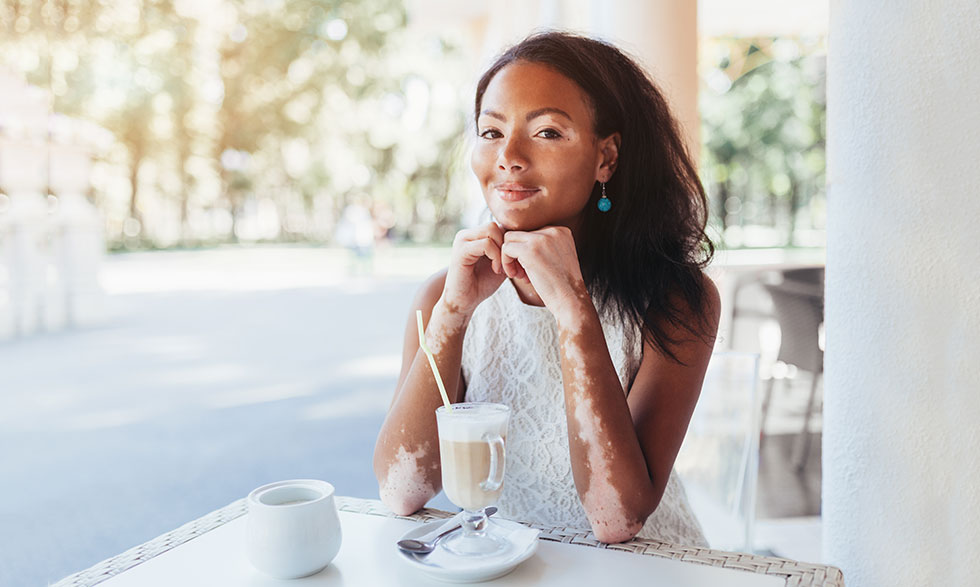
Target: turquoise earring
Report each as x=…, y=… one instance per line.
x=604, y=203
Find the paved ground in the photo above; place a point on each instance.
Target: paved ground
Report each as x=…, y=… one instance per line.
x=234, y=369
x=213, y=373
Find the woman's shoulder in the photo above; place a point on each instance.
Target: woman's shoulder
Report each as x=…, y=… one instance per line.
x=706, y=300
x=712, y=297
x=709, y=303
x=689, y=310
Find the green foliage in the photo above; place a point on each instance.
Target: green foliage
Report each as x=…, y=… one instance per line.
x=291, y=107
x=763, y=123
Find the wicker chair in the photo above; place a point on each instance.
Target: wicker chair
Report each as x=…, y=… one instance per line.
x=798, y=307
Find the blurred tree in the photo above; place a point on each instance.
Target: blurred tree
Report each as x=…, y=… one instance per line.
x=275, y=58
x=111, y=62
x=764, y=118
x=227, y=108
x=325, y=98
x=188, y=138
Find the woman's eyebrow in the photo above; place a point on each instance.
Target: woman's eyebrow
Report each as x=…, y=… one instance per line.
x=547, y=110
x=530, y=115
x=494, y=114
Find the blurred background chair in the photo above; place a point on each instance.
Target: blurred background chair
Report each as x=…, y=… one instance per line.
x=797, y=302
x=719, y=460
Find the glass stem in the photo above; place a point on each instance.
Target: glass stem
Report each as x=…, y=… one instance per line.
x=474, y=524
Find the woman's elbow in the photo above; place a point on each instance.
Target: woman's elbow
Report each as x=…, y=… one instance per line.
x=617, y=521
x=614, y=531
x=400, y=503
x=405, y=494
x=403, y=483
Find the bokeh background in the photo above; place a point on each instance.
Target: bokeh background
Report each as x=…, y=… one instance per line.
x=214, y=215
x=214, y=122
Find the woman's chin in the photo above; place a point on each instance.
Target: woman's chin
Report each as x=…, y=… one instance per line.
x=520, y=226
x=520, y=222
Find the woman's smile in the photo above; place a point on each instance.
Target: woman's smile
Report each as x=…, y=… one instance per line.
x=515, y=192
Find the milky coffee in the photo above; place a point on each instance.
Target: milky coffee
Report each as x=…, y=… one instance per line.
x=465, y=437
x=465, y=465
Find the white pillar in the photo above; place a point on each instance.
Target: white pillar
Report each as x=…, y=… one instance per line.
x=23, y=169
x=24, y=114
x=663, y=36
x=78, y=239
x=901, y=451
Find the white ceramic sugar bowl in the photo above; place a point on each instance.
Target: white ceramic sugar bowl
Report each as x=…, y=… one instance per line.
x=293, y=529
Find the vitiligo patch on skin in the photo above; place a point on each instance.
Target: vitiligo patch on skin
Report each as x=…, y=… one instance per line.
x=576, y=376
x=575, y=359
x=519, y=205
x=601, y=499
x=437, y=339
x=405, y=488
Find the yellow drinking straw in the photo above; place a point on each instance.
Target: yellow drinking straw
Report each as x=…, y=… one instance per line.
x=432, y=362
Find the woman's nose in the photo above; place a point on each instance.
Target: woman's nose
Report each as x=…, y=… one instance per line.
x=512, y=155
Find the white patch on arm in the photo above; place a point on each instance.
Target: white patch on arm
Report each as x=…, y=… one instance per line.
x=405, y=488
x=602, y=501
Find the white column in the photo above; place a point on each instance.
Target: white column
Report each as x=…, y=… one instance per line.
x=663, y=36
x=901, y=451
x=23, y=175
x=23, y=168
x=78, y=239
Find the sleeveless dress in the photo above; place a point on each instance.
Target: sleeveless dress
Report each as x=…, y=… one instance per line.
x=510, y=356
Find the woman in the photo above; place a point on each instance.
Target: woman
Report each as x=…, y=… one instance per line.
x=583, y=306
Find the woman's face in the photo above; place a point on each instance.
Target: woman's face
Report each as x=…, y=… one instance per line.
x=537, y=156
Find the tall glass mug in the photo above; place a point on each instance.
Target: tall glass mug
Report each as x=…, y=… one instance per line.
x=471, y=450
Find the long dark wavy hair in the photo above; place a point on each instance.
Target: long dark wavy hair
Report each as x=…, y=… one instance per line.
x=644, y=257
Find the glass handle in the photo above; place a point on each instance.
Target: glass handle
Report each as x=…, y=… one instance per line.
x=496, y=477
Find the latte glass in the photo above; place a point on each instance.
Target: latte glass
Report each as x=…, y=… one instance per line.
x=471, y=450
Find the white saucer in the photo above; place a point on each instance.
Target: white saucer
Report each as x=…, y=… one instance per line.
x=441, y=564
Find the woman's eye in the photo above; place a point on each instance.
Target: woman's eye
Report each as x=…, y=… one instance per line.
x=491, y=133
x=550, y=133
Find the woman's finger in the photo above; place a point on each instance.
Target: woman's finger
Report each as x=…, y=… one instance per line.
x=472, y=251
x=489, y=230
x=506, y=260
x=496, y=233
x=517, y=236
x=510, y=254
x=492, y=251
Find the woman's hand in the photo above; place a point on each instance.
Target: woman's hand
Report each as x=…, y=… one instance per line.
x=547, y=258
x=474, y=269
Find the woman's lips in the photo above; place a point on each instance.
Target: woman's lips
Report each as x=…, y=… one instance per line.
x=514, y=193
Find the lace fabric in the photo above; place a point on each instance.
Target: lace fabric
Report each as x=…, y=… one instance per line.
x=510, y=356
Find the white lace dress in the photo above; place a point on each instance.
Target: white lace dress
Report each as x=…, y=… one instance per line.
x=510, y=356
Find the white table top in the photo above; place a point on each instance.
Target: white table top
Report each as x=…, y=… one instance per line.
x=210, y=551
x=368, y=557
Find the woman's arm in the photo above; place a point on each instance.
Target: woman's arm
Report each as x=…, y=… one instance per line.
x=622, y=451
x=406, y=456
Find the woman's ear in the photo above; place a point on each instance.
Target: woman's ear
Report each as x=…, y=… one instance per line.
x=608, y=157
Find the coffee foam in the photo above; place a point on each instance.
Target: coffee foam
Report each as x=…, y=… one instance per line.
x=471, y=429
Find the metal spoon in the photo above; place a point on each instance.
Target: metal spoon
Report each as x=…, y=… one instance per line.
x=419, y=547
